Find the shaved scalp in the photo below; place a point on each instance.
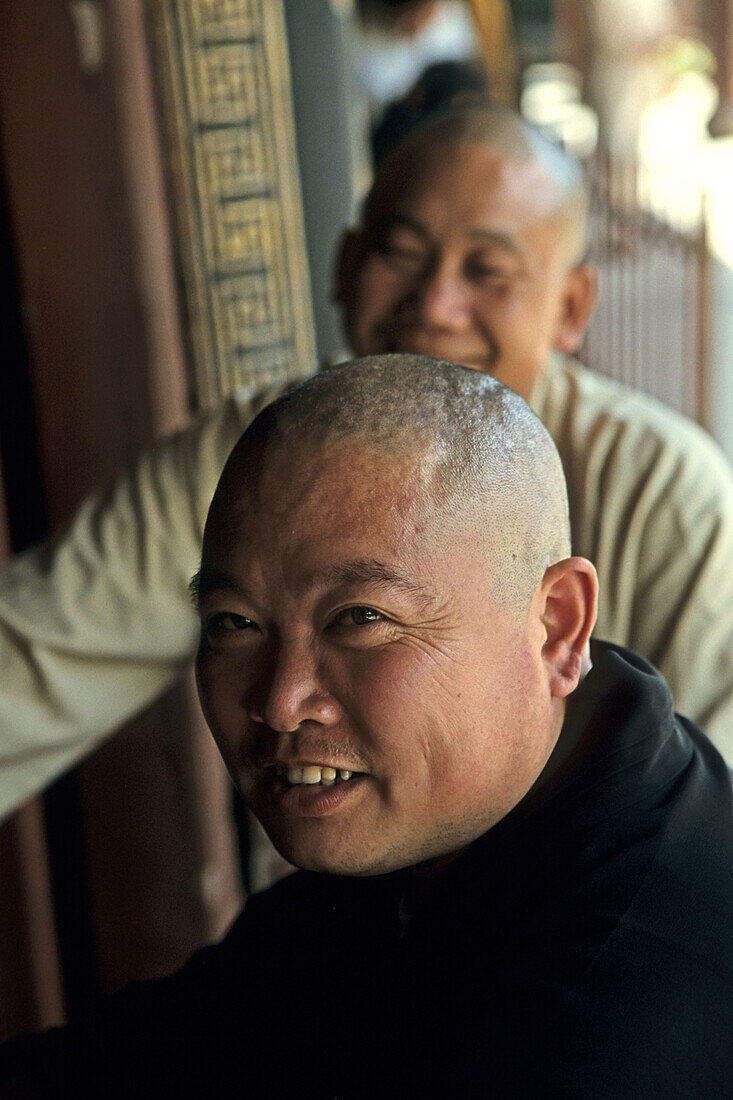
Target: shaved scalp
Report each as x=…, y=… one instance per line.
x=489, y=464
x=499, y=128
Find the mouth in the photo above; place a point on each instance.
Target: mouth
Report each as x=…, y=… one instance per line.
x=312, y=775
x=313, y=790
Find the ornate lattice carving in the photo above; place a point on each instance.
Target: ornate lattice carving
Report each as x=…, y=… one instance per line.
x=224, y=80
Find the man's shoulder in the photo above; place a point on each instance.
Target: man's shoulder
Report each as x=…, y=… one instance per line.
x=596, y=419
x=591, y=396
x=650, y=795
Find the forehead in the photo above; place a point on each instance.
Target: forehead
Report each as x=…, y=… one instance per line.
x=305, y=498
x=468, y=186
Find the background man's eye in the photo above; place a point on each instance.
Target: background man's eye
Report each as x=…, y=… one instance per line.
x=402, y=249
x=408, y=251
x=487, y=271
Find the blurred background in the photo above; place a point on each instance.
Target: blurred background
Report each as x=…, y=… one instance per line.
x=174, y=176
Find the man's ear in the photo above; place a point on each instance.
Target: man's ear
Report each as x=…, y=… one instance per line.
x=346, y=268
x=578, y=303
x=570, y=600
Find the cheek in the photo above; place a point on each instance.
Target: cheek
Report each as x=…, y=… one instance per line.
x=513, y=322
x=384, y=685
x=499, y=702
x=407, y=702
x=380, y=289
x=505, y=321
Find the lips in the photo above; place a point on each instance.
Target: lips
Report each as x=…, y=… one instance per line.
x=311, y=799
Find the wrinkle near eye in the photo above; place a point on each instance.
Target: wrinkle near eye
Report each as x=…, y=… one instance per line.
x=432, y=649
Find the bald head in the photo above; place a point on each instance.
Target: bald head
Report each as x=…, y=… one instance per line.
x=486, y=461
x=470, y=249
x=505, y=132
x=388, y=637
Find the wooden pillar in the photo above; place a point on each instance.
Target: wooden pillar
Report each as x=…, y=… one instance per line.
x=570, y=33
x=720, y=17
x=493, y=22
x=31, y=996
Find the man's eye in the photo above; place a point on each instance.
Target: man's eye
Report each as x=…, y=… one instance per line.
x=225, y=624
x=487, y=271
x=402, y=250
x=357, y=616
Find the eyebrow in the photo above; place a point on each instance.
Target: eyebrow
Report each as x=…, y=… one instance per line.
x=497, y=239
x=400, y=221
x=492, y=237
x=209, y=579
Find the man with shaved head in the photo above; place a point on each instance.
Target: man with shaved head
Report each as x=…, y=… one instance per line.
x=471, y=248
x=516, y=859
x=373, y=480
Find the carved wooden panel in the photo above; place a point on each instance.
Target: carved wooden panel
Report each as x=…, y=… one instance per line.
x=224, y=80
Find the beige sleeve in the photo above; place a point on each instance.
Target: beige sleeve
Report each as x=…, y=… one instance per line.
x=684, y=605
x=668, y=551
x=97, y=622
x=651, y=504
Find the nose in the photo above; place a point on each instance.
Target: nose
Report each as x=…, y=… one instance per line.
x=443, y=298
x=290, y=691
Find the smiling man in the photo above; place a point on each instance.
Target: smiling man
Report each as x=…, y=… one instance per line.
x=517, y=858
x=348, y=665
x=470, y=248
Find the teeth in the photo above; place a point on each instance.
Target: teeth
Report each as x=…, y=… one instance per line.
x=312, y=774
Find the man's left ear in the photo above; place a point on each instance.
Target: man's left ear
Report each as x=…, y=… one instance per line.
x=578, y=303
x=569, y=604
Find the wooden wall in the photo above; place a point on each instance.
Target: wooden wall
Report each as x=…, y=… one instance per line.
x=133, y=862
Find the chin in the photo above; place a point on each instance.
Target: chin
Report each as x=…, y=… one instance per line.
x=324, y=863
x=307, y=854
x=327, y=860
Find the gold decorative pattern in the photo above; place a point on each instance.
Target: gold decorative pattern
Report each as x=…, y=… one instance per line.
x=223, y=73
x=225, y=20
